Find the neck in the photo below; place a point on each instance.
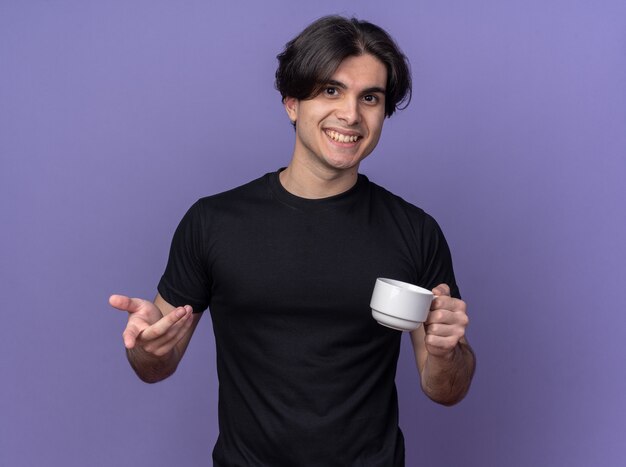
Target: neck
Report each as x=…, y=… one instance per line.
x=315, y=183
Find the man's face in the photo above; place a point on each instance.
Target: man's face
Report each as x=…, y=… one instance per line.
x=339, y=127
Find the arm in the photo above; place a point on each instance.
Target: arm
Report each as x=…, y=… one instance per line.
x=156, y=335
x=444, y=358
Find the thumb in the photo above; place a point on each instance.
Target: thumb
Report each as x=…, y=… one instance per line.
x=124, y=303
x=441, y=289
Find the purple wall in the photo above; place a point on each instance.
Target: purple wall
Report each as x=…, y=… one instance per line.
x=116, y=115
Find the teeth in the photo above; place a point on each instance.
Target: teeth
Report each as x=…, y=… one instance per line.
x=342, y=138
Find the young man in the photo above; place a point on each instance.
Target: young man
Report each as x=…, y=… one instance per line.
x=287, y=264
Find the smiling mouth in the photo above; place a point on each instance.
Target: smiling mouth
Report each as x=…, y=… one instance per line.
x=341, y=138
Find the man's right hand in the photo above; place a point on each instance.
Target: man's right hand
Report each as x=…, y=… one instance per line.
x=154, y=330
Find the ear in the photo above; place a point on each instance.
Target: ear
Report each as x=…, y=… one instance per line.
x=291, y=106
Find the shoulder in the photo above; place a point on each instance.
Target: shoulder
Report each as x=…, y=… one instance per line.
x=398, y=206
x=253, y=188
x=247, y=193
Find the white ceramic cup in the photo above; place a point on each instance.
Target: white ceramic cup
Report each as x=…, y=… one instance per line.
x=400, y=305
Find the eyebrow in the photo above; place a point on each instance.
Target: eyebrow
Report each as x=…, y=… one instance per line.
x=373, y=89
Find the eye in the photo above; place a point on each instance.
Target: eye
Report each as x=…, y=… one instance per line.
x=331, y=91
x=371, y=99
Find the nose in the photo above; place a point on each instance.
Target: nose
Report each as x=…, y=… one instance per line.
x=348, y=111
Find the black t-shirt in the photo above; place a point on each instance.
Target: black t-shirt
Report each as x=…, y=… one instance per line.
x=306, y=375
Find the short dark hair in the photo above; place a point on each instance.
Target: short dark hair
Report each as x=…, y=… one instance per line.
x=310, y=59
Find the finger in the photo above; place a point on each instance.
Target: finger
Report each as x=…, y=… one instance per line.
x=165, y=343
x=441, y=316
x=441, y=302
x=124, y=303
x=435, y=316
x=448, y=303
x=445, y=330
x=173, y=332
x=162, y=326
x=437, y=345
x=456, y=315
x=130, y=334
x=441, y=289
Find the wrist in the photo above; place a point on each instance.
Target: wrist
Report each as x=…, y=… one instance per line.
x=447, y=357
x=447, y=377
x=151, y=368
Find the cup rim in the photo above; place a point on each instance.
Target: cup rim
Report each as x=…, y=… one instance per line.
x=405, y=285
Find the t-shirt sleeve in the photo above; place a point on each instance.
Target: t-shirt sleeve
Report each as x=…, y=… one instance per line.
x=186, y=280
x=437, y=268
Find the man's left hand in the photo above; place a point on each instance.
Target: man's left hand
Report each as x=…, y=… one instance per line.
x=446, y=323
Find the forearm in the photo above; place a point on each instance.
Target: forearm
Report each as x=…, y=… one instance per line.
x=446, y=380
x=150, y=368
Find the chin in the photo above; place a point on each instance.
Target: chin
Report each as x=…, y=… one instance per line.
x=342, y=164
